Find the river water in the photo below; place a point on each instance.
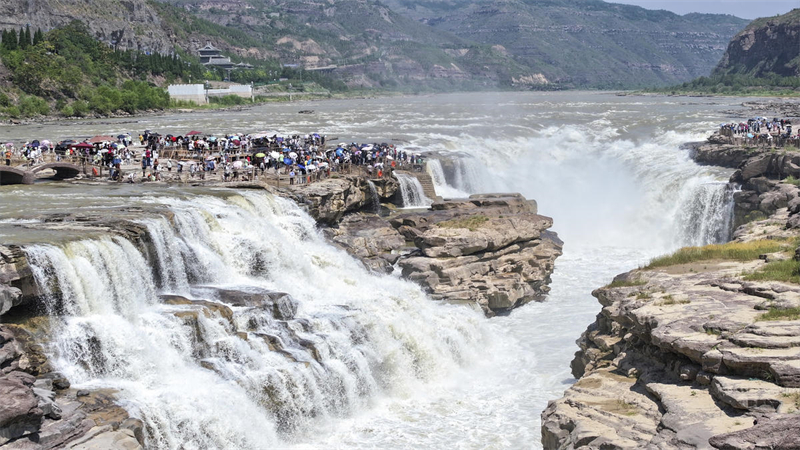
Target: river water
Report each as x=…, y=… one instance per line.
x=394, y=369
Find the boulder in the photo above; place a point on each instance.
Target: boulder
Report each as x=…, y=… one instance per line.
x=20, y=414
x=776, y=432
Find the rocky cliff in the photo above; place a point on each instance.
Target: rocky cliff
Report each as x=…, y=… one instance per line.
x=587, y=43
x=768, y=46
x=491, y=252
x=125, y=24
x=699, y=349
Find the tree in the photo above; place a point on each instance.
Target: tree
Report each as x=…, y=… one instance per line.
x=24, y=38
x=38, y=37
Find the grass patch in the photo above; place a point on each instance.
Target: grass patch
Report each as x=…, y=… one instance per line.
x=672, y=301
x=781, y=314
x=625, y=283
x=470, y=223
x=736, y=251
x=792, y=180
x=642, y=296
x=787, y=271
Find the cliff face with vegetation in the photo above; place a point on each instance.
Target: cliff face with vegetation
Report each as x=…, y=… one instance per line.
x=441, y=45
x=768, y=46
x=587, y=43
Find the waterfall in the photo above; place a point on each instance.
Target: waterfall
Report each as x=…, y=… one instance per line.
x=411, y=191
x=705, y=215
x=312, y=336
x=467, y=176
x=443, y=188
x=376, y=200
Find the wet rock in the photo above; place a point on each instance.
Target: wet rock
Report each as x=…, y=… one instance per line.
x=370, y=238
x=281, y=305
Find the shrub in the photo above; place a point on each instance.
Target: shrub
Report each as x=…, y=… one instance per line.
x=13, y=111
x=31, y=105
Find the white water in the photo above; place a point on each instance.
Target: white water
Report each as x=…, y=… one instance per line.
x=412, y=192
x=376, y=336
x=608, y=169
x=376, y=200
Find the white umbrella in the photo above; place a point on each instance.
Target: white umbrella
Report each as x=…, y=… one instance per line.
x=237, y=164
x=292, y=155
x=275, y=155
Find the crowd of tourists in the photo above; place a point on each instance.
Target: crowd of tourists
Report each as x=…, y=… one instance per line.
x=229, y=157
x=762, y=131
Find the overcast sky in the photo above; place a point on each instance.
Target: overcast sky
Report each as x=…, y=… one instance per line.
x=740, y=8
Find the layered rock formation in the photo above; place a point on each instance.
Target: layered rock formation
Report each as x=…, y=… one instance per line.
x=767, y=46
x=679, y=355
x=492, y=251
x=40, y=411
x=329, y=200
x=683, y=356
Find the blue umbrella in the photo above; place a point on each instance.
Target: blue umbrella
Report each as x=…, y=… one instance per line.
x=339, y=151
x=287, y=161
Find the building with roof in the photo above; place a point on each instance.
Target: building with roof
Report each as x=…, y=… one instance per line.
x=212, y=56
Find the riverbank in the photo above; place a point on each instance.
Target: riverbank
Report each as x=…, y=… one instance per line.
x=699, y=348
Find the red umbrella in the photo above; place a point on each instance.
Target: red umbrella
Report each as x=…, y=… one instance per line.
x=83, y=145
x=193, y=133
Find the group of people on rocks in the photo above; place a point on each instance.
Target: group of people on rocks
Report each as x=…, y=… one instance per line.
x=762, y=130
x=304, y=158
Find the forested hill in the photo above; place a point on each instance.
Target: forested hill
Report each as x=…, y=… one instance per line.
x=448, y=44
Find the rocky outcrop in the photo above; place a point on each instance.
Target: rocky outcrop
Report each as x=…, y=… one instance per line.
x=767, y=46
x=370, y=238
x=490, y=251
x=682, y=356
x=40, y=411
x=719, y=153
x=330, y=199
x=758, y=174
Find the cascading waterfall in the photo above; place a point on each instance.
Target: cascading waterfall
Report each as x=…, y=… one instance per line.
x=633, y=190
x=706, y=215
x=376, y=200
x=443, y=188
x=259, y=375
x=412, y=192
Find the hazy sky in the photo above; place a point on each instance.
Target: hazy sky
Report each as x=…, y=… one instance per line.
x=740, y=8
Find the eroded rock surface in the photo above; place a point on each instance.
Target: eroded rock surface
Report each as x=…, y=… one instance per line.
x=679, y=357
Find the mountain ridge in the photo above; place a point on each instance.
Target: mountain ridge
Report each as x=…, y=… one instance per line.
x=454, y=44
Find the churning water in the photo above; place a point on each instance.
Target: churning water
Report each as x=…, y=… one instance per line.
x=367, y=360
